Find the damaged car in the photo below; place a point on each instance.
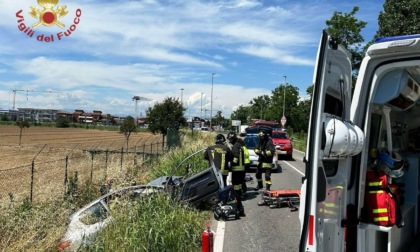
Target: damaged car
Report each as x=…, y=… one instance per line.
x=198, y=185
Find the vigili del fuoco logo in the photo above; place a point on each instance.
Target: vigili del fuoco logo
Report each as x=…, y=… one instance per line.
x=49, y=13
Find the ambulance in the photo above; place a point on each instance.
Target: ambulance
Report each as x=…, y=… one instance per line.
x=361, y=187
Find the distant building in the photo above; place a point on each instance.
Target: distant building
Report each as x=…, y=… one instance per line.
x=12, y=114
x=37, y=115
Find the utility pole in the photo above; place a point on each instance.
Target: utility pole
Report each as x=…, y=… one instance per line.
x=284, y=93
x=201, y=111
x=211, y=102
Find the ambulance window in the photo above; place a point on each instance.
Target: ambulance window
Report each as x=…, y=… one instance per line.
x=330, y=167
x=333, y=106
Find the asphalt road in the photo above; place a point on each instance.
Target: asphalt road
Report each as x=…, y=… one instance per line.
x=264, y=229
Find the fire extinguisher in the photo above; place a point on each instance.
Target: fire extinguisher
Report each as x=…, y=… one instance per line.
x=207, y=240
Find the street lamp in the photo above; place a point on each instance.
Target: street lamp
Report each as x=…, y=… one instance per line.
x=201, y=111
x=284, y=93
x=211, y=101
x=181, y=96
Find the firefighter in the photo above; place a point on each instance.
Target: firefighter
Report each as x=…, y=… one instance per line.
x=238, y=169
x=265, y=152
x=247, y=164
x=222, y=156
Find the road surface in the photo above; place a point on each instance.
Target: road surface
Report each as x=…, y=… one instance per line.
x=264, y=229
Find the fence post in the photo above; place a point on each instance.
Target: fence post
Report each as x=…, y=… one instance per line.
x=32, y=180
x=32, y=173
x=122, y=155
x=106, y=164
x=66, y=175
x=144, y=149
x=135, y=155
x=91, y=167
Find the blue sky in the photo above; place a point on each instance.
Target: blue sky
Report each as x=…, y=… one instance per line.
x=153, y=49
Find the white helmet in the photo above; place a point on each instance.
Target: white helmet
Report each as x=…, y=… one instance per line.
x=392, y=164
x=342, y=138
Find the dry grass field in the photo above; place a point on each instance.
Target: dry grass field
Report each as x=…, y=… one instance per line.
x=46, y=155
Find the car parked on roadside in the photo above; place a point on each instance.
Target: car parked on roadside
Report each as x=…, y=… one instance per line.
x=196, y=188
x=283, y=143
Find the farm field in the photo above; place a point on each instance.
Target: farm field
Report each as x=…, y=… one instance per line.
x=47, y=156
x=62, y=142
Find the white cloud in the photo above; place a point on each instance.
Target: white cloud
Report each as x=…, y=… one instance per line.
x=153, y=48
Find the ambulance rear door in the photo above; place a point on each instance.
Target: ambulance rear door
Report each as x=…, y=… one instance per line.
x=330, y=147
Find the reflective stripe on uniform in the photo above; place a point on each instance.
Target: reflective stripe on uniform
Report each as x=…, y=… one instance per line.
x=246, y=155
x=266, y=165
x=237, y=187
x=238, y=168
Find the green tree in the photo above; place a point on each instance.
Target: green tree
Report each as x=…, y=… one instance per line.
x=127, y=127
x=62, y=122
x=4, y=118
x=259, y=106
x=283, y=94
x=346, y=27
x=22, y=125
x=399, y=17
x=242, y=114
x=168, y=114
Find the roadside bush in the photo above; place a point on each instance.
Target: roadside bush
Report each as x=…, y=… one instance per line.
x=62, y=122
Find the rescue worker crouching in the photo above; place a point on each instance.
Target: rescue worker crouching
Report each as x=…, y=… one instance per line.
x=221, y=155
x=238, y=169
x=265, y=151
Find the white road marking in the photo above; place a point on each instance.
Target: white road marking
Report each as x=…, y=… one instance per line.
x=219, y=236
x=296, y=169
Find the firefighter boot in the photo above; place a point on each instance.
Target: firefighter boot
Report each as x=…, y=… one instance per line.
x=260, y=186
x=267, y=187
x=242, y=211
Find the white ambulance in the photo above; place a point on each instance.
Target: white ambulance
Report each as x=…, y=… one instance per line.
x=374, y=129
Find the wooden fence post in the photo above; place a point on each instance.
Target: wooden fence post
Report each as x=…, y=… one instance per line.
x=106, y=164
x=122, y=155
x=32, y=180
x=66, y=175
x=91, y=167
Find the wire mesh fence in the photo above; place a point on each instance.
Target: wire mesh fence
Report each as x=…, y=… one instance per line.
x=41, y=173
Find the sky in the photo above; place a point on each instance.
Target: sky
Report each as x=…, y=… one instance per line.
x=99, y=54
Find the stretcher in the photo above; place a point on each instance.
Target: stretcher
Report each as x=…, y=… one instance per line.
x=281, y=198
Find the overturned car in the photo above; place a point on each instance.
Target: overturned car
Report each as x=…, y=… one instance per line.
x=197, y=186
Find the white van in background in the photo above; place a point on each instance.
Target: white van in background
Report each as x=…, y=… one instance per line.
x=375, y=127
